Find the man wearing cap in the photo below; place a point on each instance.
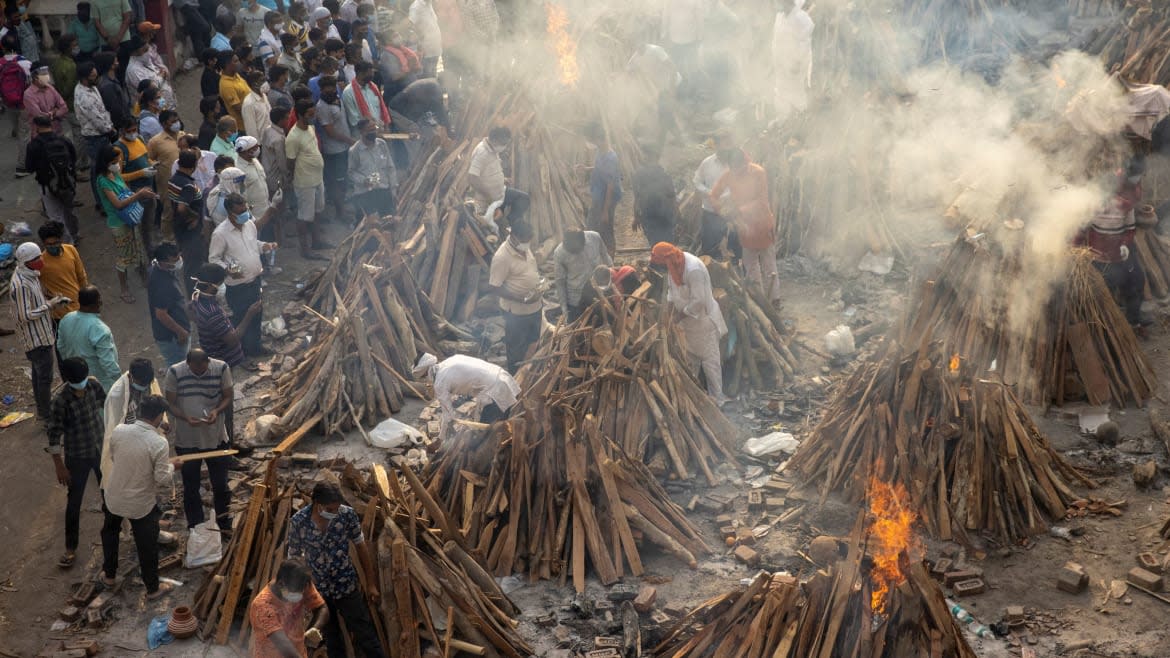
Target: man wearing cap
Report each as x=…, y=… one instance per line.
x=147, y=65
x=34, y=322
x=255, y=191
x=235, y=244
x=41, y=99
x=322, y=19
x=689, y=294
x=492, y=388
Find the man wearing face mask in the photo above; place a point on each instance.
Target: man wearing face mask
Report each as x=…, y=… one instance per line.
x=371, y=172
x=142, y=67
x=486, y=175
x=138, y=173
x=88, y=39
x=363, y=100
x=268, y=47
x=278, y=614
x=94, y=118
x=168, y=304
x=63, y=273
x=256, y=106
x=199, y=393
x=34, y=322
x=236, y=246
x=255, y=192
x=74, y=427
x=139, y=466
x=226, y=134
x=217, y=337
x=82, y=334
x=575, y=259
x=41, y=99
x=186, y=201
x=514, y=278
x=322, y=533
x=163, y=151
x=123, y=400
x=399, y=64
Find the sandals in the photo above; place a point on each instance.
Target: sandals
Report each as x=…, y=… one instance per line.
x=128, y=297
x=108, y=582
x=66, y=560
x=163, y=589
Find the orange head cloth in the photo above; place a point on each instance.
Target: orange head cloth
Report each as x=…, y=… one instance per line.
x=667, y=254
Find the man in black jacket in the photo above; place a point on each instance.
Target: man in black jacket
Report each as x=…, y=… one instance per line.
x=54, y=161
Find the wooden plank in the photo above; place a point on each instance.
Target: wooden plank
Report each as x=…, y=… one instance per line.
x=240, y=565
x=1088, y=362
x=616, y=507
x=299, y=433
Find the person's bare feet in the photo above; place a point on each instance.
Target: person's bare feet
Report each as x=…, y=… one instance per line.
x=163, y=590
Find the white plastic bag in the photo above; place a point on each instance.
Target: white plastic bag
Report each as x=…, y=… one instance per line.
x=770, y=444
x=390, y=434
x=839, y=341
x=203, y=545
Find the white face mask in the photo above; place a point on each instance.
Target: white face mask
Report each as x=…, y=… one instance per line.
x=522, y=246
x=116, y=168
x=292, y=597
x=176, y=126
x=130, y=137
x=278, y=28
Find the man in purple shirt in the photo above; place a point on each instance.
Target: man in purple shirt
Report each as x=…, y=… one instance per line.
x=217, y=336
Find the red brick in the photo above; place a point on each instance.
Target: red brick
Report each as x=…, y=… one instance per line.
x=953, y=577
x=970, y=587
x=940, y=569
x=747, y=556
x=1149, y=562
x=1072, y=578
x=644, y=602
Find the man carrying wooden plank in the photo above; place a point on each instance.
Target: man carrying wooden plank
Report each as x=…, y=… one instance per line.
x=491, y=386
x=696, y=310
x=515, y=279
x=321, y=533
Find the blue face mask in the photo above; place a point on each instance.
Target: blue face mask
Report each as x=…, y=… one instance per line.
x=244, y=217
x=138, y=387
x=233, y=137
x=79, y=386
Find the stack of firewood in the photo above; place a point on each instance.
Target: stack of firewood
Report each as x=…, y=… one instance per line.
x=372, y=323
x=605, y=406
x=964, y=447
x=829, y=615
x=421, y=562
x=1135, y=43
x=1154, y=255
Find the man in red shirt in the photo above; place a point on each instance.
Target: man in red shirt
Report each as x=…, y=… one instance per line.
x=1110, y=238
x=278, y=614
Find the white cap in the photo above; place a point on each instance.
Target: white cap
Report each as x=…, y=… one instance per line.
x=246, y=143
x=27, y=251
x=425, y=363
x=319, y=13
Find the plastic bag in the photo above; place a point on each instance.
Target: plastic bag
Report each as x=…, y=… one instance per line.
x=204, y=546
x=274, y=327
x=391, y=434
x=19, y=229
x=770, y=444
x=839, y=341
x=157, y=633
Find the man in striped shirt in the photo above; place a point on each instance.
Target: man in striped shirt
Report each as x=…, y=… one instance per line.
x=199, y=391
x=34, y=321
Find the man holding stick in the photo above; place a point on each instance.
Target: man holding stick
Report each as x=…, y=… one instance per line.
x=514, y=278
x=575, y=259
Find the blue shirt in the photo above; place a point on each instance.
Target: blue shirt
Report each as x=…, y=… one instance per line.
x=606, y=170
x=84, y=335
x=221, y=41
x=267, y=4
x=327, y=553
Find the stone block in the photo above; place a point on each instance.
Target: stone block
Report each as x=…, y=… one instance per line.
x=1147, y=579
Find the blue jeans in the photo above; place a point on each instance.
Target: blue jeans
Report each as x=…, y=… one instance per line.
x=173, y=351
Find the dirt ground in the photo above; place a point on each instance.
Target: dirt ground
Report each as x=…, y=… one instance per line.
x=33, y=589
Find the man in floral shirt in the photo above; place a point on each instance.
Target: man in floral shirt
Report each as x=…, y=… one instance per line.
x=321, y=533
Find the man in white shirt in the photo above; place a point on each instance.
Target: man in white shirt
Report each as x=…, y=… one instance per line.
x=430, y=39
x=714, y=226
x=256, y=191
x=268, y=48
x=236, y=246
x=682, y=26
x=139, y=465
x=514, y=278
x=490, y=186
x=492, y=388
x=256, y=107
x=791, y=57
x=689, y=293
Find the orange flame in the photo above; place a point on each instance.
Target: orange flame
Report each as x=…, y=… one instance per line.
x=563, y=44
x=890, y=535
x=954, y=365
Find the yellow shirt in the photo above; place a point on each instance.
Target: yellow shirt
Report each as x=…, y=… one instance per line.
x=232, y=91
x=63, y=275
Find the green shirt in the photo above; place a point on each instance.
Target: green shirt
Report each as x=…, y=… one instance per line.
x=64, y=71
x=88, y=38
x=84, y=335
x=117, y=185
x=109, y=14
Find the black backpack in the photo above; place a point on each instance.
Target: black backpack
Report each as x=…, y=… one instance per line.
x=58, y=175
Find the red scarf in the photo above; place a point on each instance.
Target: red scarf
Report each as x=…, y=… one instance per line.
x=407, y=58
x=363, y=107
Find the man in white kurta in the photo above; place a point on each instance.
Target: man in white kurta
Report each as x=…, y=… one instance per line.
x=792, y=57
x=689, y=293
x=492, y=388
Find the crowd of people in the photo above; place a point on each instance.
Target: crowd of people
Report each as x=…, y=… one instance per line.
x=296, y=103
